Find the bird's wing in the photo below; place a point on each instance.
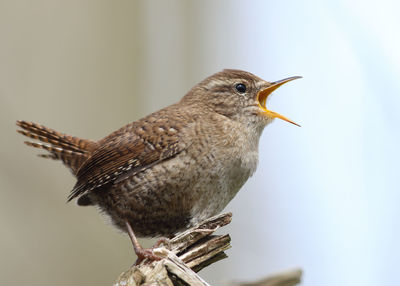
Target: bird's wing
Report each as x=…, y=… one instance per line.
x=125, y=153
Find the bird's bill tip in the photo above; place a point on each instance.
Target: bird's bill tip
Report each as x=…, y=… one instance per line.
x=263, y=95
x=274, y=114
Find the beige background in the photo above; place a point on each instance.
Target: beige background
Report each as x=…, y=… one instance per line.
x=325, y=196
x=85, y=68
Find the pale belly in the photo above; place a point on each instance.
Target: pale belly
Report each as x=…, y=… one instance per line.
x=220, y=186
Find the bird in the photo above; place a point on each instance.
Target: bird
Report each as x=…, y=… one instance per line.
x=166, y=172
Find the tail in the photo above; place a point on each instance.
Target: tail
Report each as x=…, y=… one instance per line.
x=72, y=151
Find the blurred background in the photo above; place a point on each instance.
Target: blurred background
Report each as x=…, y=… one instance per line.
x=325, y=196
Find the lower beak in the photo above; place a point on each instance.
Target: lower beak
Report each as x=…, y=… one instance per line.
x=263, y=95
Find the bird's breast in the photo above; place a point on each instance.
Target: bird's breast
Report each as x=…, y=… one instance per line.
x=231, y=159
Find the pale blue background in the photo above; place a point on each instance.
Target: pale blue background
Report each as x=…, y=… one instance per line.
x=326, y=196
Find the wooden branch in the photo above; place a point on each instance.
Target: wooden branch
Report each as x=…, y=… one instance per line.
x=186, y=254
x=288, y=278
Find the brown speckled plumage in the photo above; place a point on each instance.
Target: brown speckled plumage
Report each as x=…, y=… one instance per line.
x=173, y=168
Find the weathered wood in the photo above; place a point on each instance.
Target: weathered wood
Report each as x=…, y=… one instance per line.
x=188, y=253
x=288, y=278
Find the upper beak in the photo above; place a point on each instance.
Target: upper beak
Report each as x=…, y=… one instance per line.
x=263, y=94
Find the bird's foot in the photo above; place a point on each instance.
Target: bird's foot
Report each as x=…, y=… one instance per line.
x=141, y=252
x=148, y=254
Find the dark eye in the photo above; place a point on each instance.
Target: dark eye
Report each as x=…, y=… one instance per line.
x=240, y=87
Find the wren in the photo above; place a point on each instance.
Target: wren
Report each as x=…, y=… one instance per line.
x=175, y=167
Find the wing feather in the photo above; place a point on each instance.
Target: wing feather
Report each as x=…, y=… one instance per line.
x=125, y=154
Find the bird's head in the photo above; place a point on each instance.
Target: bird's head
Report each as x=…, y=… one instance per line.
x=238, y=95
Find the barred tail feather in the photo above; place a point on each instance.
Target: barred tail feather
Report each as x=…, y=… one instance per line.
x=72, y=151
x=64, y=145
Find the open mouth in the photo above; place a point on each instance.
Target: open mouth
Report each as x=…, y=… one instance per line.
x=263, y=95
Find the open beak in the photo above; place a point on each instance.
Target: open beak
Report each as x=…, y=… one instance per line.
x=263, y=95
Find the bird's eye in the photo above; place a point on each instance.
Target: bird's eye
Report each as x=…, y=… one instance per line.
x=241, y=88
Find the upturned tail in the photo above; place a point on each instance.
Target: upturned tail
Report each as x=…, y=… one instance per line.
x=72, y=151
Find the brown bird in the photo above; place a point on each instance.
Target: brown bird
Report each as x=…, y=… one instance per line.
x=175, y=167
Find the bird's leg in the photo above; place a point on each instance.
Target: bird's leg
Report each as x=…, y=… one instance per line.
x=139, y=250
